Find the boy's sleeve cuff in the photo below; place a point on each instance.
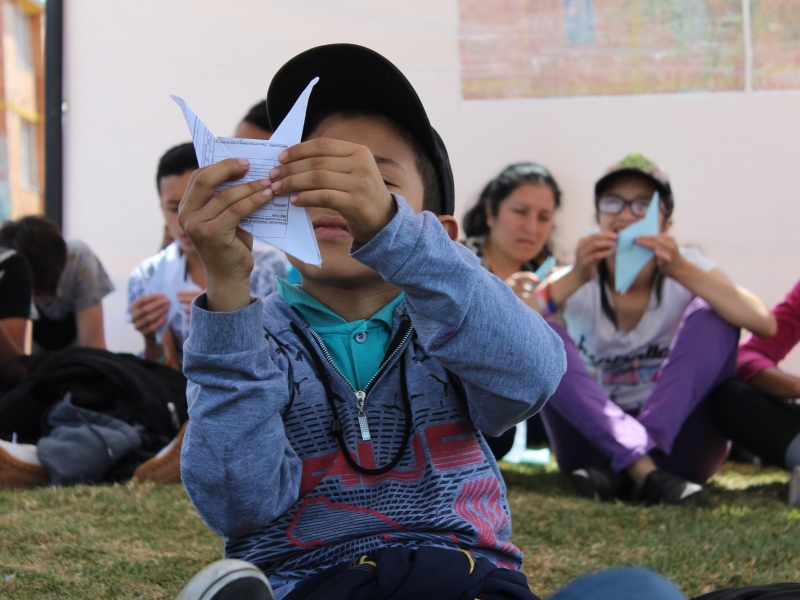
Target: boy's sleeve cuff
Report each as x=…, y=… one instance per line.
x=225, y=332
x=389, y=250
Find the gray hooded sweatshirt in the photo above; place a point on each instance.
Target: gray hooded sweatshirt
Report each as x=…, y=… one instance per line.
x=259, y=460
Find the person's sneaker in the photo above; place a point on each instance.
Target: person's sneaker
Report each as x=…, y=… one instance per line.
x=228, y=579
x=16, y=472
x=164, y=467
x=601, y=483
x=661, y=487
x=794, y=488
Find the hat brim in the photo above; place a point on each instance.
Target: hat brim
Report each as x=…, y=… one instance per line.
x=352, y=77
x=665, y=191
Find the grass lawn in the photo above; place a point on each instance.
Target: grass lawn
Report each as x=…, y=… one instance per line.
x=137, y=541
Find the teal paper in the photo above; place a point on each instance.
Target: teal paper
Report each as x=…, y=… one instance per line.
x=542, y=271
x=631, y=258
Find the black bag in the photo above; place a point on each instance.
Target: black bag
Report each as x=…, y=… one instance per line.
x=123, y=386
x=427, y=572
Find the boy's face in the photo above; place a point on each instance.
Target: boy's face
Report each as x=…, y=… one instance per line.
x=171, y=190
x=397, y=165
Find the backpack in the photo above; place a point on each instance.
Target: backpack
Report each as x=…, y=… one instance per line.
x=138, y=392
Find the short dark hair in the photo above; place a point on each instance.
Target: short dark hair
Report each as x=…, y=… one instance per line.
x=431, y=191
x=40, y=242
x=176, y=161
x=257, y=115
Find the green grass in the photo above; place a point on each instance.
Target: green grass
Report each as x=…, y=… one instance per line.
x=137, y=541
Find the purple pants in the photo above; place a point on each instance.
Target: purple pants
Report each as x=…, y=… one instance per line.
x=587, y=429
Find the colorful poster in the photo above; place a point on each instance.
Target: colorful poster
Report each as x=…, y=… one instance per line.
x=543, y=48
x=776, y=44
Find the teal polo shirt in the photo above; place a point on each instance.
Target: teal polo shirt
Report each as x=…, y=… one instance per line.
x=356, y=348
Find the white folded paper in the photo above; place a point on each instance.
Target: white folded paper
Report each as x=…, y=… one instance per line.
x=279, y=223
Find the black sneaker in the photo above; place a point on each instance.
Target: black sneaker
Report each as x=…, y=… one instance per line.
x=601, y=484
x=661, y=487
x=228, y=580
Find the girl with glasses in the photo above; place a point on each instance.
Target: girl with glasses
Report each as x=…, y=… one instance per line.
x=631, y=411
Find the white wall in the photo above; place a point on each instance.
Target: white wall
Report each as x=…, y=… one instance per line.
x=732, y=157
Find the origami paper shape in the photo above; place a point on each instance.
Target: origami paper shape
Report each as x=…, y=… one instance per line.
x=280, y=222
x=631, y=258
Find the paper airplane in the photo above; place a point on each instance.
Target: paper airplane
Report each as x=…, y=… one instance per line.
x=279, y=223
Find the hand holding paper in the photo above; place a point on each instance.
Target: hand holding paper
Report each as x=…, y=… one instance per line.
x=631, y=257
x=279, y=222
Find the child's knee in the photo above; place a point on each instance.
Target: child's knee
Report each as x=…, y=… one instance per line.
x=701, y=315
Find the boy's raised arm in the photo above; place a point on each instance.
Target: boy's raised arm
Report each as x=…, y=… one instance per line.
x=236, y=463
x=508, y=358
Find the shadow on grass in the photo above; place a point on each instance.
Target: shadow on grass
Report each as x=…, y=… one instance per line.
x=735, y=484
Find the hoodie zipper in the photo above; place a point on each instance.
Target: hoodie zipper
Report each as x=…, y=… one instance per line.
x=361, y=395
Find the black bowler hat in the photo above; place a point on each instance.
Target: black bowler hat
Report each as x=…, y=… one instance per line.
x=354, y=77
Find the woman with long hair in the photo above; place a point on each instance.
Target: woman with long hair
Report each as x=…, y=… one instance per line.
x=509, y=229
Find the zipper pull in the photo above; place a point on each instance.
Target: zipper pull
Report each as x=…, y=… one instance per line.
x=361, y=398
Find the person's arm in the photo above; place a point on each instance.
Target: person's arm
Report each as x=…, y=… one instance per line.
x=736, y=305
x=90, y=327
x=83, y=285
x=16, y=296
x=590, y=251
x=509, y=360
x=777, y=383
x=759, y=358
x=8, y=349
x=16, y=331
x=237, y=465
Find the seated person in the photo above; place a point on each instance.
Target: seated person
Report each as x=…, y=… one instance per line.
x=509, y=229
x=16, y=295
x=175, y=275
x=632, y=407
x=341, y=421
x=255, y=125
x=69, y=284
x=759, y=410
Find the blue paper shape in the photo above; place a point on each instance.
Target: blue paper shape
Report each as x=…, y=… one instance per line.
x=631, y=258
x=550, y=263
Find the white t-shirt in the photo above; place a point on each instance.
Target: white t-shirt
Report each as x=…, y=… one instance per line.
x=625, y=364
x=166, y=273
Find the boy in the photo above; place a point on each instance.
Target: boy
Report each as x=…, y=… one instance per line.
x=340, y=421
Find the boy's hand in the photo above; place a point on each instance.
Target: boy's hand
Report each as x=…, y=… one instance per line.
x=212, y=223
x=338, y=175
x=149, y=313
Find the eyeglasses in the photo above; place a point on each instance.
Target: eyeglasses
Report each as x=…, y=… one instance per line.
x=611, y=204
